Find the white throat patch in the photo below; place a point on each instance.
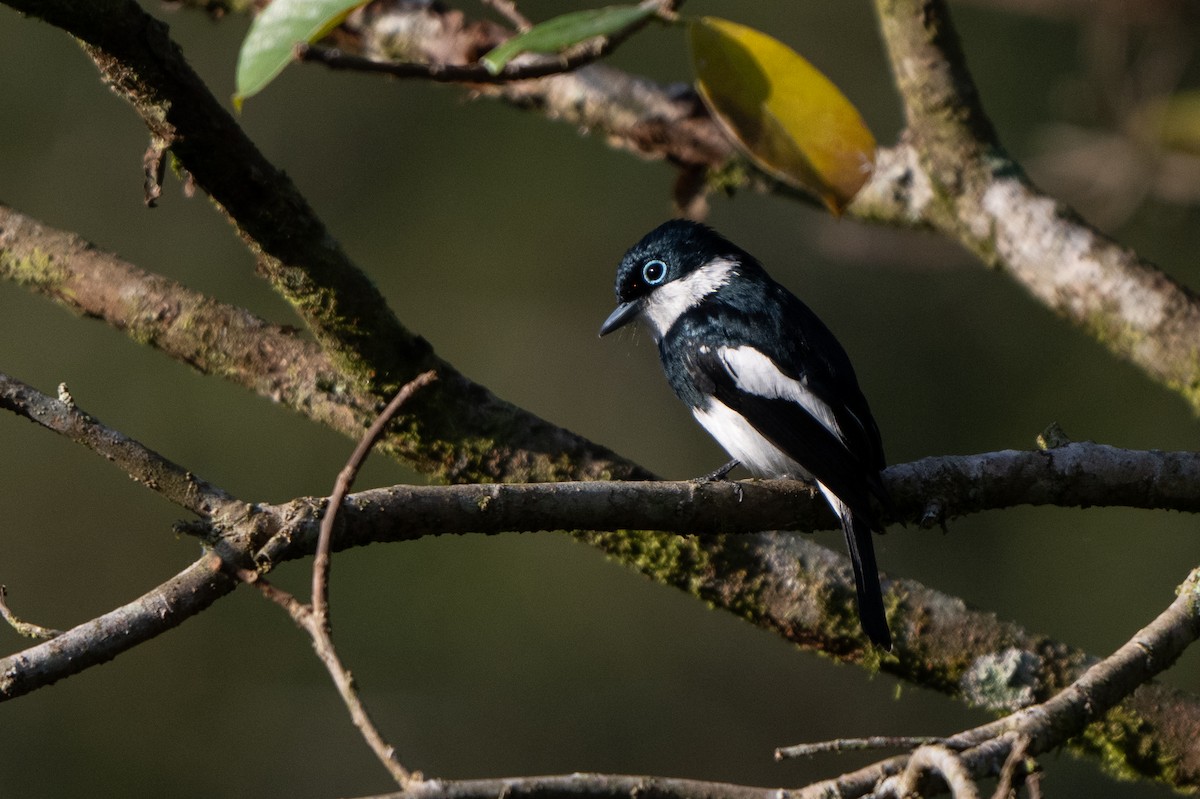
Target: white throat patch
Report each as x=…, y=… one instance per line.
x=668, y=302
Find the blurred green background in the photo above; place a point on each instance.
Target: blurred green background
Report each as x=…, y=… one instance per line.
x=495, y=234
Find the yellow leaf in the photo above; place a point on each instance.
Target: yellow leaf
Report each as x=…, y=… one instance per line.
x=789, y=118
x=1179, y=122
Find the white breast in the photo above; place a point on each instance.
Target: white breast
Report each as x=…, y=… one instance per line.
x=739, y=438
x=755, y=373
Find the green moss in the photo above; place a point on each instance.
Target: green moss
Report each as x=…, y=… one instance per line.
x=1189, y=387
x=1105, y=325
x=728, y=177
x=1127, y=747
x=37, y=269
x=672, y=559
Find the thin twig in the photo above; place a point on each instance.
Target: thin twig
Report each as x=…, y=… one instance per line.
x=299, y=612
x=25, y=628
x=1050, y=724
x=855, y=745
x=545, y=66
x=101, y=639
x=345, y=480
x=314, y=618
x=937, y=760
x=580, y=55
x=143, y=464
x=1015, y=769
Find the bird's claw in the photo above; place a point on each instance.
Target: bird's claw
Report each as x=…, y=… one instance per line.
x=718, y=474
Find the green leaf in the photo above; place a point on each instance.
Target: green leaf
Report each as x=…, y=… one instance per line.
x=557, y=34
x=790, y=119
x=274, y=34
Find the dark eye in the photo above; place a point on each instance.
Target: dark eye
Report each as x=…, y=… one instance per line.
x=654, y=272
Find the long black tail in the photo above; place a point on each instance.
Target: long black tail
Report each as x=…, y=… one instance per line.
x=866, y=580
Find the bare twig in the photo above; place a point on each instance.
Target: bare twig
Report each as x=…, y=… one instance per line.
x=1042, y=727
x=581, y=786
x=580, y=55
x=1016, y=769
x=345, y=479
x=935, y=760
x=103, y=638
x=314, y=617
x=25, y=628
x=855, y=745
x=334, y=58
x=140, y=462
x=446, y=441
x=304, y=618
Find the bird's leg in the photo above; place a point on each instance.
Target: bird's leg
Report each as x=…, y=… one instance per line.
x=720, y=473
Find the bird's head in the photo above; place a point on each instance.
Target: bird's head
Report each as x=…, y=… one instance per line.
x=672, y=269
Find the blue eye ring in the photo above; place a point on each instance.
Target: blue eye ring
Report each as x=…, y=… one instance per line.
x=654, y=272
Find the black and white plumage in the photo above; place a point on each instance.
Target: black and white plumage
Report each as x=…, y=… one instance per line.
x=765, y=378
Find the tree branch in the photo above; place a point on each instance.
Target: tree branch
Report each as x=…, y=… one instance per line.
x=581, y=786
x=947, y=172
x=928, y=491
x=461, y=433
x=141, y=463
x=959, y=180
x=530, y=67
x=1081, y=705
x=779, y=582
x=980, y=752
x=313, y=618
x=103, y=638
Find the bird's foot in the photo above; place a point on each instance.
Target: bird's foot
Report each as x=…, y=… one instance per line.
x=718, y=474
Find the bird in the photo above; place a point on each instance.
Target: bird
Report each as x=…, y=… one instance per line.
x=765, y=377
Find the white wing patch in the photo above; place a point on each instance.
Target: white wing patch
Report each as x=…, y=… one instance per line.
x=755, y=373
x=669, y=301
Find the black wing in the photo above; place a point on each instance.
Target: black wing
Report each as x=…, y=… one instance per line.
x=796, y=432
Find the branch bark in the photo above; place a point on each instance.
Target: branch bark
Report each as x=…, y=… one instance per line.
x=461, y=432
x=959, y=180
x=471, y=434
x=980, y=752
x=141, y=463
x=103, y=638
x=776, y=581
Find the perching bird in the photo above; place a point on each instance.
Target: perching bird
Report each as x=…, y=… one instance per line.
x=765, y=378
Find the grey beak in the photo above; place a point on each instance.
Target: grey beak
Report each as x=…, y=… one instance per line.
x=621, y=316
